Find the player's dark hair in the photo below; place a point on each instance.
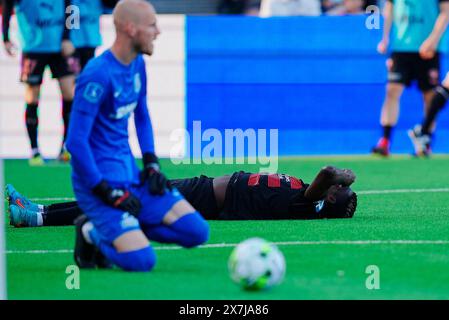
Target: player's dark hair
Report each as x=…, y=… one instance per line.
x=344, y=206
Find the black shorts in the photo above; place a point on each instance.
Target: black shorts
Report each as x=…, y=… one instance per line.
x=404, y=67
x=80, y=58
x=199, y=192
x=33, y=66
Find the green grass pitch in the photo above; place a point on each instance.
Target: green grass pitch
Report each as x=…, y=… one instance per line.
x=318, y=265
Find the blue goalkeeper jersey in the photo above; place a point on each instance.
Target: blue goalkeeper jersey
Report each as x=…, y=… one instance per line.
x=107, y=93
x=88, y=34
x=41, y=25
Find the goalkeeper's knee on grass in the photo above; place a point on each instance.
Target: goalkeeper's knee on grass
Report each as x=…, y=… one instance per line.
x=138, y=260
x=188, y=231
x=193, y=230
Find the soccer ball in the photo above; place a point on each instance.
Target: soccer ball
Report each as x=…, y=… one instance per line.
x=256, y=264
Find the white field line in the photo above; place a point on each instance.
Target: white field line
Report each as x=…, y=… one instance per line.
x=435, y=190
x=282, y=243
x=366, y=192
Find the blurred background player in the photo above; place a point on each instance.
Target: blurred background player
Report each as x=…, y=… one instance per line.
x=105, y=178
x=271, y=8
x=416, y=29
x=44, y=42
x=421, y=135
x=87, y=37
x=240, y=196
x=349, y=7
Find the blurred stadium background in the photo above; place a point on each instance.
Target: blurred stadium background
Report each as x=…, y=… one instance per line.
x=320, y=84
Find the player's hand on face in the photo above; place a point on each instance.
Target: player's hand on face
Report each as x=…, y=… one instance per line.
x=10, y=48
x=428, y=49
x=382, y=47
x=67, y=48
x=119, y=198
x=345, y=177
x=331, y=194
x=151, y=174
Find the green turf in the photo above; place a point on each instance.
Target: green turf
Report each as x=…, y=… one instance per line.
x=315, y=271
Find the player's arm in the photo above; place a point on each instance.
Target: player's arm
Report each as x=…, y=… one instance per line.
x=430, y=45
x=89, y=95
x=151, y=169
x=8, y=6
x=388, y=22
x=327, y=177
x=67, y=47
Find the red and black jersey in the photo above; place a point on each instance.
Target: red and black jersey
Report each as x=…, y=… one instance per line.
x=252, y=196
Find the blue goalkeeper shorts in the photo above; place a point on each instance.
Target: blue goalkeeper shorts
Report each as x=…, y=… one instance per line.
x=111, y=223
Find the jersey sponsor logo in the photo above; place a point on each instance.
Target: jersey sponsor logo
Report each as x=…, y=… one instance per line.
x=123, y=111
x=93, y=92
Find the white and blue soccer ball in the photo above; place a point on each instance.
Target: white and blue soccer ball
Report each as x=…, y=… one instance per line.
x=256, y=264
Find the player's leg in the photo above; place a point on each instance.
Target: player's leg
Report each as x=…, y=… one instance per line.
x=437, y=103
x=32, y=70
x=32, y=121
x=109, y=234
x=130, y=251
x=181, y=225
x=398, y=77
x=48, y=216
x=25, y=213
x=61, y=70
x=171, y=219
x=205, y=194
x=389, y=117
x=434, y=100
x=60, y=214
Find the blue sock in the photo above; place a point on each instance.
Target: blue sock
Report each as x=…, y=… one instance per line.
x=188, y=231
x=137, y=260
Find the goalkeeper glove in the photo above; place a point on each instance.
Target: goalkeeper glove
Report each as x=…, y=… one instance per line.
x=118, y=198
x=157, y=182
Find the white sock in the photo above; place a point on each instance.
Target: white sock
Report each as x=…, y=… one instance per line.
x=40, y=219
x=85, y=229
x=34, y=151
x=41, y=208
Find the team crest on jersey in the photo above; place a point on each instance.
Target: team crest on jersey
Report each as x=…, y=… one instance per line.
x=93, y=92
x=137, y=83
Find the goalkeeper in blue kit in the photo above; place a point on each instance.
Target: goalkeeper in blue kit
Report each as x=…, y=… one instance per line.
x=124, y=208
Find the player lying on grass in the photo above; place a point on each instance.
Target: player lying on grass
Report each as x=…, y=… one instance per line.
x=240, y=196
